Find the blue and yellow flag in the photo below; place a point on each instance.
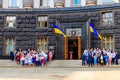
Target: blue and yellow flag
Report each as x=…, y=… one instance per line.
x=94, y=31
x=58, y=30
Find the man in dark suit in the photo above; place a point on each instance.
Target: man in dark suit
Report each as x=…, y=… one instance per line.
x=12, y=55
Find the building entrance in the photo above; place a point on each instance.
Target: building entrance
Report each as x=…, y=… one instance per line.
x=72, y=48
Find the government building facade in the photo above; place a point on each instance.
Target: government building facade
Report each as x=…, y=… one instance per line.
x=28, y=24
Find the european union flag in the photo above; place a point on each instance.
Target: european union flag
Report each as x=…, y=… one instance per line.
x=58, y=30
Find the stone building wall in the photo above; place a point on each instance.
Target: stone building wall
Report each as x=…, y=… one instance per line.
x=26, y=30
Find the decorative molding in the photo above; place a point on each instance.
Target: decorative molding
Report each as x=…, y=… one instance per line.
x=73, y=32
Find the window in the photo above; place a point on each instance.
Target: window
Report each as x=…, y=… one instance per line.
x=107, y=1
x=108, y=42
x=42, y=44
x=42, y=21
x=41, y=2
x=44, y=2
x=9, y=45
x=13, y=3
x=59, y=3
x=107, y=18
x=10, y=21
x=91, y=2
x=76, y=2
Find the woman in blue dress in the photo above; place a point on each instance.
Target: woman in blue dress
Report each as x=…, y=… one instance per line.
x=29, y=60
x=95, y=59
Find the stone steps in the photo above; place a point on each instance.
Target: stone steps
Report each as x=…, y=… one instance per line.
x=52, y=64
x=70, y=64
x=64, y=63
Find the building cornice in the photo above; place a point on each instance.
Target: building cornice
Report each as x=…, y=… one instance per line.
x=61, y=10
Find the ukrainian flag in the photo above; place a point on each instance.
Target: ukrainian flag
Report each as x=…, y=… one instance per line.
x=57, y=30
x=94, y=31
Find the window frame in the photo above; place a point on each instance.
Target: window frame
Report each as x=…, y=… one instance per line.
x=111, y=42
x=45, y=44
x=45, y=3
x=107, y=18
x=13, y=3
x=73, y=4
x=45, y=22
x=5, y=46
x=14, y=21
x=41, y=3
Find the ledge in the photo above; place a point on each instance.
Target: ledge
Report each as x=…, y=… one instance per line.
x=61, y=10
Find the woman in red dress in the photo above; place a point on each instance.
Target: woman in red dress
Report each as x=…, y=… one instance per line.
x=18, y=58
x=50, y=56
x=42, y=60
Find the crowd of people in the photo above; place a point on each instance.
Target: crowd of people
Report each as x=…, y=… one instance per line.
x=31, y=57
x=97, y=57
x=90, y=57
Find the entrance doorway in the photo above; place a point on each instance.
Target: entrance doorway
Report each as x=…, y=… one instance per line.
x=73, y=47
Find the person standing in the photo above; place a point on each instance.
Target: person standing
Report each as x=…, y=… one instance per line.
x=106, y=59
x=29, y=59
x=90, y=62
x=83, y=59
x=37, y=60
x=50, y=56
x=110, y=59
x=18, y=58
x=113, y=57
x=22, y=59
x=12, y=55
x=116, y=57
x=95, y=59
x=42, y=61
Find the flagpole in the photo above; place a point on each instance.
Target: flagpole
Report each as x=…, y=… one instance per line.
x=88, y=35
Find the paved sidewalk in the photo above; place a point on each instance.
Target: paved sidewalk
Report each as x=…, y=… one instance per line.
x=94, y=75
x=16, y=79
x=59, y=74
x=11, y=71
